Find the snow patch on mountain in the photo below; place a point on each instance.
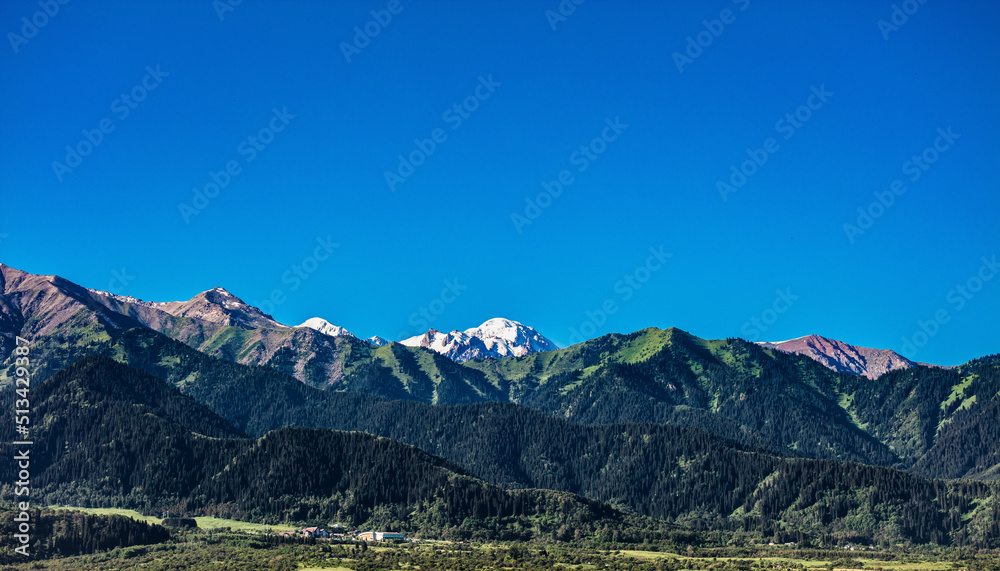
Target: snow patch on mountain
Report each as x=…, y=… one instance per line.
x=510, y=338
x=497, y=337
x=325, y=327
x=126, y=298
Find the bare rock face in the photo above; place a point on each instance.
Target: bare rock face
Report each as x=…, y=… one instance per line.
x=219, y=306
x=844, y=358
x=61, y=320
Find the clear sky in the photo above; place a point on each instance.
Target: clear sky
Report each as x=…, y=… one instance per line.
x=643, y=109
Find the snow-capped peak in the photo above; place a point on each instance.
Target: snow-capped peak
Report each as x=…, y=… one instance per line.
x=506, y=337
x=497, y=327
x=325, y=327
x=377, y=341
x=497, y=337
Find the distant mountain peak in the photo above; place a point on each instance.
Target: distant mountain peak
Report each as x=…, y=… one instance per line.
x=499, y=322
x=843, y=357
x=496, y=337
x=325, y=327
x=508, y=337
x=218, y=305
x=221, y=296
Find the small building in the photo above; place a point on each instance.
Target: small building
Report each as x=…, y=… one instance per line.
x=380, y=536
x=314, y=532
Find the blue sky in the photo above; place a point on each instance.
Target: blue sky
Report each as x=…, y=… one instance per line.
x=836, y=103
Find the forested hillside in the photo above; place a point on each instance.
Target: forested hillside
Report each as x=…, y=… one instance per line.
x=63, y=533
x=107, y=435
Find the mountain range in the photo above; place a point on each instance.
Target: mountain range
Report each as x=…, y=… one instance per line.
x=535, y=420
x=497, y=337
x=728, y=387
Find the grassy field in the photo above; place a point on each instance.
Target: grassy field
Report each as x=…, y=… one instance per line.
x=244, y=546
x=203, y=522
x=239, y=551
x=928, y=564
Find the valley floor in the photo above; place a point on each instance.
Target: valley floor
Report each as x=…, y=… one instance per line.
x=222, y=549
